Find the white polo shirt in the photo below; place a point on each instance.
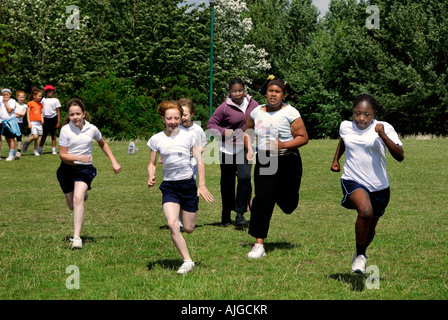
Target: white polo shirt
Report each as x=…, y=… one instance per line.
x=79, y=142
x=365, y=160
x=175, y=154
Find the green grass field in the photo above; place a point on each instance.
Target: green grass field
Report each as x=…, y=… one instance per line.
x=128, y=253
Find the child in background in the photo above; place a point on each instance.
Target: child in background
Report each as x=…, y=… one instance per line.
x=179, y=190
x=52, y=117
x=7, y=107
x=20, y=112
x=193, y=128
x=35, y=119
x=76, y=171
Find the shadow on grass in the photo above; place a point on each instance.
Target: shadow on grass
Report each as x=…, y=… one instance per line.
x=232, y=224
x=170, y=264
x=271, y=246
x=87, y=239
x=357, y=281
x=165, y=227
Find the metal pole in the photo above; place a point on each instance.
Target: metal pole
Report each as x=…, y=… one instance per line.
x=212, y=8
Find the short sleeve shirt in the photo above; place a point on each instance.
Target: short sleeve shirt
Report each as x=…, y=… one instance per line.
x=365, y=160
x=79, y=142
x=175, y=154
x=273, y=125
x=50, y=106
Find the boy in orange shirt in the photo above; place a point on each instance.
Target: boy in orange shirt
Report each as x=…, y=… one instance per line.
x=35, y=119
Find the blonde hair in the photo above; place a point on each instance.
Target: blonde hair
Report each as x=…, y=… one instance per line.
x=165, y=105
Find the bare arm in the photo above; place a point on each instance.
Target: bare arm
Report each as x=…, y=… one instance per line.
x=395, y=150
x=338, y=154
x=106, y=149
x=299, y=133
x=248, y=133
x=152, y=169
x=202, y=189
x=70, y=159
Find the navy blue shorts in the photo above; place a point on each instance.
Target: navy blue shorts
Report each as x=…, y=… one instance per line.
x=183, y=192
x=378, y=199
x=67, y=175
x=49, y=126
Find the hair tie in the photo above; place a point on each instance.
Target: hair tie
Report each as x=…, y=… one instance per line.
x=278, y=83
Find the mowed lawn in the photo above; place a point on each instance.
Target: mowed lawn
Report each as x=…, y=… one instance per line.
x=128, y=252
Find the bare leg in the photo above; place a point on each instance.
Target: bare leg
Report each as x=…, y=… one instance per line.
x=78, y=206
x=171, y=211
x=365, y=222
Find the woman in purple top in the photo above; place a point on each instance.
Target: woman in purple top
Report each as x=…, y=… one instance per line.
x=226, y=125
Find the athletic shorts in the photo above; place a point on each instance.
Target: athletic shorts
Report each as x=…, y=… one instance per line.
x=183, y=192
x=67, y=175
x=49, y=126
x=6, y=133
x=378, y=199
x=36, y=128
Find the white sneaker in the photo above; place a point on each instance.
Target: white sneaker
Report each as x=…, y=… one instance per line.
x=186, y=267
x=76, y=243
x=359, y=264
x=10, y=158
x=36, y=153
x=181, y=226
x=54, y=152
x=256, y=252
x=18, y=155
x=25, y=146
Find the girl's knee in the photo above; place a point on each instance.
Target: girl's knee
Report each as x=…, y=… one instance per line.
x=188, y=229
x=365, y=214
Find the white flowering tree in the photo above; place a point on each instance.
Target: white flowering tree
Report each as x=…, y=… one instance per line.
x=234, y=57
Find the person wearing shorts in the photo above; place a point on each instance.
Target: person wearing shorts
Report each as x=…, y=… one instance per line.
x=365, y=182
x=180, y=195
x=34, y=119
x=76, y=172
x=52, y=118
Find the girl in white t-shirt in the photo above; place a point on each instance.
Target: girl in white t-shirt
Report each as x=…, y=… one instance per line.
x=179, y=190
x=20, y=112
x=279, y=131
x=76, y=171
x=365, y=183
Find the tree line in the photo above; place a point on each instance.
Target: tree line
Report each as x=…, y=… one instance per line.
x=124, y=57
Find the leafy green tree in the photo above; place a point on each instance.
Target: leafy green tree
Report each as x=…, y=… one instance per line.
x=235, y=56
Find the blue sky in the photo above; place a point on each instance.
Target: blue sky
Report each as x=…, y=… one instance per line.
x=322, y=5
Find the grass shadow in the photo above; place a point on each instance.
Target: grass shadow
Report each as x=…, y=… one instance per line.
x=165, y=227
x=271, y=246
x=232, y=224
x=357, y=281
x=87, y=239
x=170, y=264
